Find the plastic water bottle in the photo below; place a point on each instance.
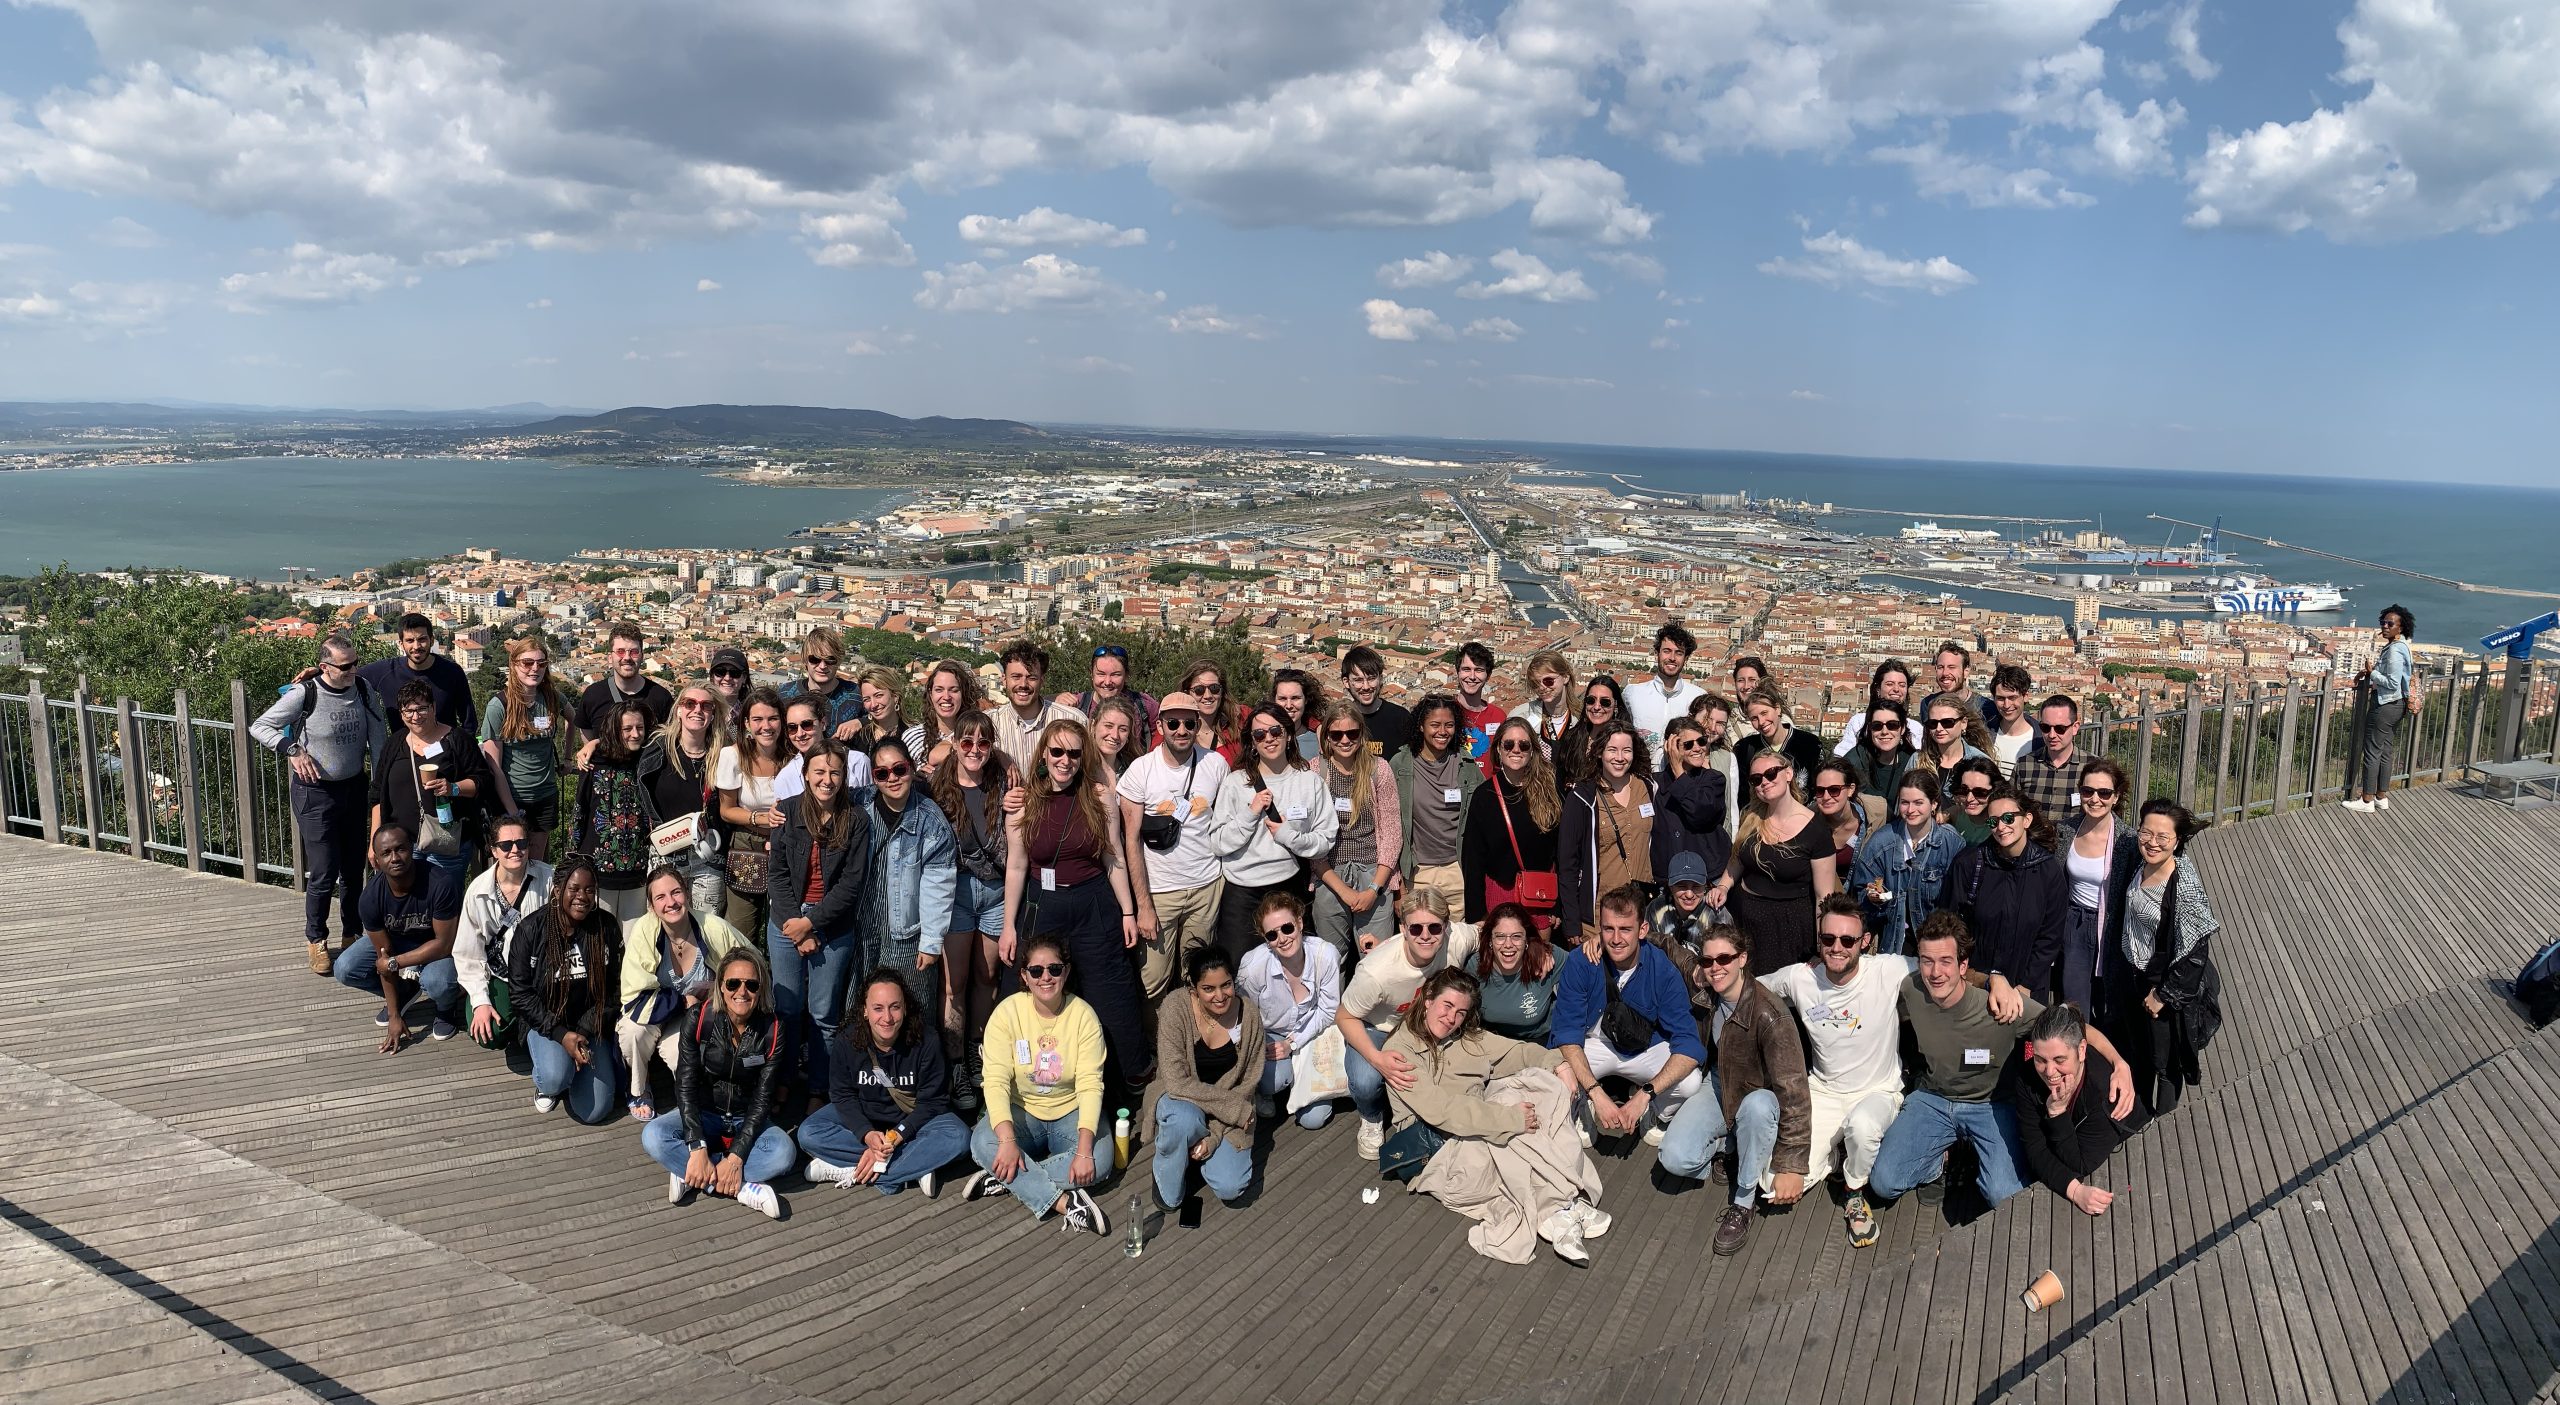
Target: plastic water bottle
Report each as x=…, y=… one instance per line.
x=1136, y=1243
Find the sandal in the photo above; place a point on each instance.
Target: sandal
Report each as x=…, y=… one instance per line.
x=639, y=1109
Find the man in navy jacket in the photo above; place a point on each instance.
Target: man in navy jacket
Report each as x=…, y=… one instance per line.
x=1656, y=1044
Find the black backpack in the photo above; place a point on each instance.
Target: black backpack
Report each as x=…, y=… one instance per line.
x=2538, y=985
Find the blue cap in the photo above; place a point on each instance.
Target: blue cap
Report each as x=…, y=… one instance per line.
x=1687, y=867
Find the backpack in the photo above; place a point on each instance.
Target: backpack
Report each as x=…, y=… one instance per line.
x=311, y=699
x=2538, y=985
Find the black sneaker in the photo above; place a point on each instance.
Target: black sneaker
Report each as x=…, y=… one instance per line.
x=1083, y=1214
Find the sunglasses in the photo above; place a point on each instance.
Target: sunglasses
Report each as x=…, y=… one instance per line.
x=1720, y=961
x=1044, y=970
x=1884, y=729
x=2097, y=792
x=2050, y=730
x=728, y=673
x=973, y=743
x=694, y=704
x=1604, y=704
x=1111, y=651
x=803, y=726
x=1340, y=735
x=1836, y=939
x=1763, y=777
x=814, y=660
x=1213, y=689
x=1066, y=753
x=507, y=844
x=1424, y=929
x=1515, y=747
x=1691, y=744
x=1832, y=792
x=897, y=772
x=746, y=984
x=1269, y=734
x=1978, y=792
x=2010, y=818
x=1549, y=681
x=1179, y=724
x=1285, y=929
x=1943, y=723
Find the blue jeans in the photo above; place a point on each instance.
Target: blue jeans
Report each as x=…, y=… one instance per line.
x=436, y=980
x=1276, y=1077
x=1368, y=1086
x=809, y=991
x=1698, y=1131
x=935, y=1145
x=1915, y=1146
x=663, y=1138
x=459, y=865
x=1180, y=1126
x=593, y=1091
x=1048, y=1153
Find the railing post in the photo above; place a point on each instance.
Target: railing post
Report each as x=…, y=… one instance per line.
x=2319, y=737
x=2284, y=742
x=137, y=820
x=48, y=780
x=2187, y=747
x=87, y=734
x=2141, y=754
x=2222, y=760
x=2249, y=755
x=2479, y=713
x=244, y=777
x=190, y=826
x=2452, y=717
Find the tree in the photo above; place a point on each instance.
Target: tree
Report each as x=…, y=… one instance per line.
x=658, y=597
x=1112, y=612
x=148, y=639
x=1157, y=657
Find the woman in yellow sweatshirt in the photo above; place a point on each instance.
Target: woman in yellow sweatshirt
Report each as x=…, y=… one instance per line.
x=1042, y=1135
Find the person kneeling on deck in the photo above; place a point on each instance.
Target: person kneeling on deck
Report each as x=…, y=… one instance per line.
x=562, y=971
x=1043, y=1137
x=409, y=910
x=1966, y=1051
x=1624, y=1014
x=1756, y=1105
x=731, y=1059
x=1484, y=1127
x=888, y=1119
x=667, y=960
x=2065, y=1126
x=1849, y=1004
x=1209, y=1053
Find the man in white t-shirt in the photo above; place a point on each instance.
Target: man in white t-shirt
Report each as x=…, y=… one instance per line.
x=1425, y=941
x=1165, y=797
x=1663, y=694
x=1848, y=1002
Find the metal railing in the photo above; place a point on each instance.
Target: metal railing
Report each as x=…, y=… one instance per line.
x=197, y=791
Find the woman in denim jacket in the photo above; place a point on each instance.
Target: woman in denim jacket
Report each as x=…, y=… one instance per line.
x=1901, y=865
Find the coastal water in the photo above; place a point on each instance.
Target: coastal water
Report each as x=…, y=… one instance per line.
x=254, y=517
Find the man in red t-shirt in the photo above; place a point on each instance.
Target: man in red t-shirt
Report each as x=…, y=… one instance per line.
x=1483, y=715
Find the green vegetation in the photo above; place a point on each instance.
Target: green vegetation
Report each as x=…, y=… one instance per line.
x=604, y=575
x=1176, y=572
x=406, y=567
x=2174, y=675
x=1157, y=657
x=146, y=640
x=899, y=650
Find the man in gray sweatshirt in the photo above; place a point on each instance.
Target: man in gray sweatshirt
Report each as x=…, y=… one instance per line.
x=325, y=729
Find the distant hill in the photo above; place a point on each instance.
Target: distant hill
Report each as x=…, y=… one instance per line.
x=788, y=426
x=187, y=416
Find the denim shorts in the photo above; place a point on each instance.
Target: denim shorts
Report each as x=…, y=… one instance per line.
x=978, y=903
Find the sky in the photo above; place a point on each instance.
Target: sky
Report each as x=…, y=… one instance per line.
x=2314, y=236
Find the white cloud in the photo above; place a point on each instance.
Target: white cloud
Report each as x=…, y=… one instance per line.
x=30, y=308
x=89, y=308
x=1806, y=395
x=1527, y=276
x=1099, y=366
x=539, y=361
x=1939, y=174
x=1040, y=283
x=2458, y=129
x=1042, y=225
x=1207, y=320
x=312, y=276
x=538, y=304
x=126, y=232
x=2185, y=43
x=705, y=285
x=1495, y=329
x=1561, y=382
x=1644, y=268
x=863, y=346
x=1393, y=321
x=2128, y=144
x=1429, y=271
x=854, y=239
x=1836, y=260
x=1663, y=340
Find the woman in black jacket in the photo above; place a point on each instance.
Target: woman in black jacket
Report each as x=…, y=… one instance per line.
x=820, y=861
x=564, y=974
x=1603, y=702
x=2066, y=1128
x=2013, y=893
x=2163, y=997
x=890, y=1122
x=1510, y=827
x=1689, y=801
x=729, y=1061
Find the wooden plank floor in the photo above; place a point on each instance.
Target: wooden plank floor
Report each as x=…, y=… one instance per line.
x=2355, y=1206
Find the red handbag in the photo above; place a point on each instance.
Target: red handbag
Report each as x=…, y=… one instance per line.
x=1534, y=888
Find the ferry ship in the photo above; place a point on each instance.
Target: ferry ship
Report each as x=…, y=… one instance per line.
x=2242, y=595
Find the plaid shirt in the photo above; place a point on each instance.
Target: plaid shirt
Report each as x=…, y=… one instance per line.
x=2055, y=790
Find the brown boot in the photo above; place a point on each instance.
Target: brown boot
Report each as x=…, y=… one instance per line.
x=1732, y=1230
x=319, y=957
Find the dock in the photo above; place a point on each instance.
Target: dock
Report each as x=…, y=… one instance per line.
x=219, y=1192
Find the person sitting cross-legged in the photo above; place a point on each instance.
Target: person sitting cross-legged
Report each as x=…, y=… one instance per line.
x=1043, y=1137
x=730, y=1061
x=888, y=1120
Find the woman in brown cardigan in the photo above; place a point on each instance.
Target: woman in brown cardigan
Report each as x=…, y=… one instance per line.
x=1209, y=1052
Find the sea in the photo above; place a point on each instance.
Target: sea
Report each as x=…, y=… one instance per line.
x=253, y=517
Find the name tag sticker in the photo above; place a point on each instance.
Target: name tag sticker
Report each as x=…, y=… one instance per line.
x=431, y=749
x=1977, y=1058
x=1297, y=812
x=1342, y=804
x=1022, y=1051
x=1449, y=795
x=752, y=1061
x=1645, y=809
x=1048, y=880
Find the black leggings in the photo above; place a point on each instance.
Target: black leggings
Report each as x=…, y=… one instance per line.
x=1087, y=917
x=1236, y=932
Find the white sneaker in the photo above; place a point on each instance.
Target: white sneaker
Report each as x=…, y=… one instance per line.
x=979, y=1186
x=1593, y=1221
x=1560, y=1223
x=759, y=1197
x=2361, y=807
x=931, y=1184
x=1373, y=1138
x=823, y=1170
x=2382, y=802
x=1582, y=1129
x=1653, y=1134
x=1569, y=1248
x=677, y=1190
x=545, y=1104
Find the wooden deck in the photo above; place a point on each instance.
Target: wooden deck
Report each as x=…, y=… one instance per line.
x=218, y=1191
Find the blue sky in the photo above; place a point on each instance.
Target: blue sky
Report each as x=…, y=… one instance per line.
x=2198, y=234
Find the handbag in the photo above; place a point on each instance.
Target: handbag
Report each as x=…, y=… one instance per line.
x=676, y=837
x=1535, y=889
x=1317, y=1073
x=1161, y=832
x=434, y=841
x=1409, y=1150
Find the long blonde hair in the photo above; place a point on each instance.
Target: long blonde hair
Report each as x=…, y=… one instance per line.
x=714, y=736
x=517, y=723
x=1538, y=786
x=1755, y=811
x=1038, y=797
x=1364, y=767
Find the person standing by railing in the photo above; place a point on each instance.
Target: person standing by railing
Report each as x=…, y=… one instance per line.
x=520, y=735
x=325, y=729
x=2388, y=699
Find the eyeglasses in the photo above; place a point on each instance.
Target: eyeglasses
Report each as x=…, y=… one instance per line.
x=897, y=771
x=1342, y=734
x=742, y=985
x=1066, y=753
x=1549, y=680
x=1285, y=929
x=2097, y=792
x=1837, y=939
x=1269, y=734
x=1978, y=792
x=1515, y=748
x=1111, y=651
x=1943, y=723
x=1691, y=743
x=1425, y=929
x=1720, y=961
x=508, y=844
x=1044, y=970
x=2006, y=818
x=1832, y=792
x=2052, y=730
x=1179, y=724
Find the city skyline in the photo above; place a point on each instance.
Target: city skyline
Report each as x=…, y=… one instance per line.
x=2178, y=236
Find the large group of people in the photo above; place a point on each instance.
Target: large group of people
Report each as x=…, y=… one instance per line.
x=1024, y=941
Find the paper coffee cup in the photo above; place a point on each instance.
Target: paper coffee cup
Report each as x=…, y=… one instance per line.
x=426, y=770
x=2043, y=1293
